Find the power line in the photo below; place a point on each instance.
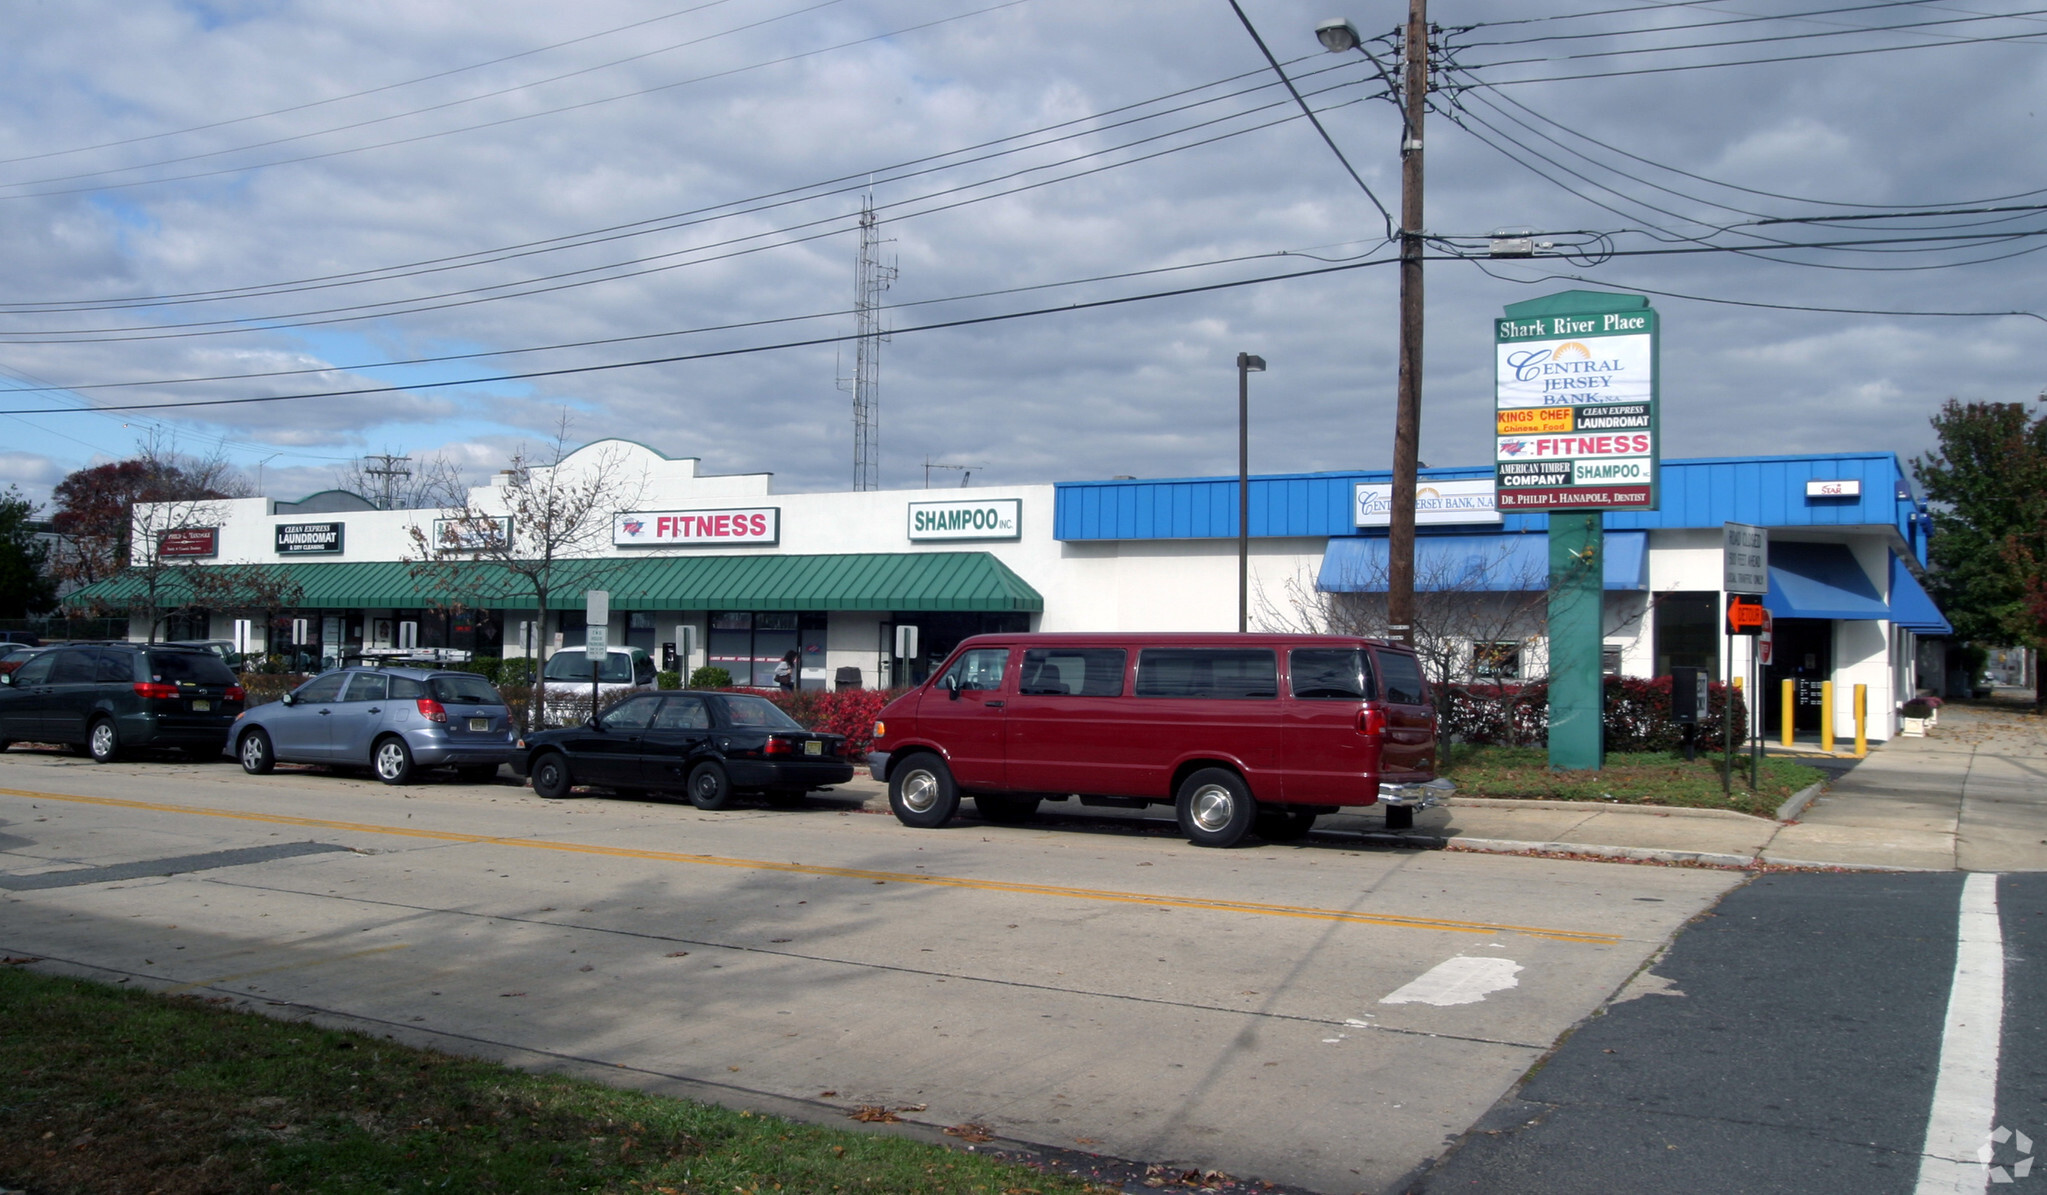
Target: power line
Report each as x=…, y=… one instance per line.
x=1700, y=66
x=1485, y=267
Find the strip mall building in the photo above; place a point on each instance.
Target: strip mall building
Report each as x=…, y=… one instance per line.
x=832, y=575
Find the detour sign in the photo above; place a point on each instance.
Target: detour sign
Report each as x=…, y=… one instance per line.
x=1745, y=615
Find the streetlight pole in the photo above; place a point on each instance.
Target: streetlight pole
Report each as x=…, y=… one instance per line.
x=1338, y=36
x=1247, y=364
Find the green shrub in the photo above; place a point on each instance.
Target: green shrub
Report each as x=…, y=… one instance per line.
x=710, y=676
x=668, y=678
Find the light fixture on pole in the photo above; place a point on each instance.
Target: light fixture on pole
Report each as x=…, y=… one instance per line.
x=1247, y=364
x=1338, y=37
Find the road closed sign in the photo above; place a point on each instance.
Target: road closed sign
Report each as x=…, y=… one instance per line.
x=1575, y=403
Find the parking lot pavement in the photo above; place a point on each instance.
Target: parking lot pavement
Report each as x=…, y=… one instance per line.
x=1327, y=1015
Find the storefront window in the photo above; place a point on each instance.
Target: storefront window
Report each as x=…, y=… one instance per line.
x=749, y=645
x=1688, y=631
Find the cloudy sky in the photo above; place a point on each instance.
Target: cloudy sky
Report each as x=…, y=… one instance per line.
x=649, y=208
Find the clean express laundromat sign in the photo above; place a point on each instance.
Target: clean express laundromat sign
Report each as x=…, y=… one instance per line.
x=1576, y=409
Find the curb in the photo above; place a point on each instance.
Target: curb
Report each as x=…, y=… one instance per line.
x=1600, y=807
x=1789, y=810
x=1635, y=854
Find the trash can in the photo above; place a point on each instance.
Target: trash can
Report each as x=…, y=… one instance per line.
x=847, y=678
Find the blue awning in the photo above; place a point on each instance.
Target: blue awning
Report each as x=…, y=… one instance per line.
x=1506, y=563
x=1820, y=581
x=1911, y=608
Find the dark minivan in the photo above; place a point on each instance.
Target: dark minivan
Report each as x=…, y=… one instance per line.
x=111, y=697
x=1238, y=732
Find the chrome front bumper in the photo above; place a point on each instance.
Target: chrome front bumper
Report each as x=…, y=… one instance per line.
x=1427, y=795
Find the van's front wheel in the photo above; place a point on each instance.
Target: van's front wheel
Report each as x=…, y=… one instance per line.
x=922, y=792
x=1216, y=808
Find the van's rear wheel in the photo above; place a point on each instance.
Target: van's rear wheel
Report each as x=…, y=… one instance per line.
x=1216, y=808
x=922, y=793
x=1283, y=826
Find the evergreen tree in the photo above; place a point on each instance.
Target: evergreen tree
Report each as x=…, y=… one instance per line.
x=25, y=584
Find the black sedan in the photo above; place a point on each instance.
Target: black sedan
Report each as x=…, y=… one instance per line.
x=709, y=746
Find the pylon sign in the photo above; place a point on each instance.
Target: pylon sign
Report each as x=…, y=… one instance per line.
x=1576, y=388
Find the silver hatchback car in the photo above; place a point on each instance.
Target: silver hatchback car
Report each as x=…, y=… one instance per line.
x=394, y=721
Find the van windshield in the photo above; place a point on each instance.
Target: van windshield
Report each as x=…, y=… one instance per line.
x=1330, y=674
x=574, y=664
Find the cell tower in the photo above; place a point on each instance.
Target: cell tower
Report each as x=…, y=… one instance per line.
x=870, y=278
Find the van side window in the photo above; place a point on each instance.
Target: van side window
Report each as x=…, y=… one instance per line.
x=74, y=667
x=1330, y=674
x=1073, y=671
x=979, y=669
x=1211, y=672
x=1403, y=679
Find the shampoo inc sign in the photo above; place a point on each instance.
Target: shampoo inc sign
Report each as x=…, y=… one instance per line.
x=990, y=518
x=1576, y=404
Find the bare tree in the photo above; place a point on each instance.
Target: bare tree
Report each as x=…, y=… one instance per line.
x=395, y=482
x=541, y=528
x=1474, y=616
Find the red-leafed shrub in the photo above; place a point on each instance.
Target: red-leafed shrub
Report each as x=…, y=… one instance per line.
x=850, y=712
x=1636, y=718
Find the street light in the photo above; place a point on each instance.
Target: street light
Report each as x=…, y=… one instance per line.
x=1247, y=364
x=1338, y=37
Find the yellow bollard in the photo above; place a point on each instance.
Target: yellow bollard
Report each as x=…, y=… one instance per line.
x=1827, y=716
x=1861, y=721
x=1784, y=712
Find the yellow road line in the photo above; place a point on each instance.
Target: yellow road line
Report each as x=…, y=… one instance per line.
x=332, y=958
x=890, y=877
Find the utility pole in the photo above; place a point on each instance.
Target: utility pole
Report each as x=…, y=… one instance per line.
x=870, y=278
x=1407, y=416
x=387, y=470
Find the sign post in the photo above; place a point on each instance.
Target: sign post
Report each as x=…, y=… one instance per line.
x=1745, y=572
x=596, y=630
x=1576, y=425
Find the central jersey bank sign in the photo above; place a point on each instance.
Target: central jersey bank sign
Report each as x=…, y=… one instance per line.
x=1576, y=389
x=989, y=518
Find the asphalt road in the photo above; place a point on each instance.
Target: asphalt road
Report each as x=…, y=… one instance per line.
x=1329, y=1015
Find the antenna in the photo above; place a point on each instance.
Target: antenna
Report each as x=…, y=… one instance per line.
x=870, y=278
x=966, y=471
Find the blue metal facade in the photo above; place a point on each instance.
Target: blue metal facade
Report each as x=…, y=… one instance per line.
x=1706, y=492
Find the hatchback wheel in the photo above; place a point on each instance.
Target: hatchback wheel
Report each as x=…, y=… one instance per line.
x=392, y=760
x=709, y=787
x=102, y=741
x=255, y=753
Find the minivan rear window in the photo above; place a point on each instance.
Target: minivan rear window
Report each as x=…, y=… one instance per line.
x=189, y=667
x=1403, y=679
x=463, y=690
x=1073, y=671
x=1210, y=672
x=1330, y=674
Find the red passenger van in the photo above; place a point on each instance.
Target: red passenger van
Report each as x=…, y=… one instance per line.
x=1240, y=733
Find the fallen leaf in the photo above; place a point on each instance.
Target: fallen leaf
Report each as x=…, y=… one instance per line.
x=12, y=961
x=502, y=995
x=676, y=954
x=825, y=1095
x=871, y=1114
x=586, y=967
x=970, y=1132
x=778, y=940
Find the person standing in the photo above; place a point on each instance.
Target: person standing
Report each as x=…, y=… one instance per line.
x=785, y=672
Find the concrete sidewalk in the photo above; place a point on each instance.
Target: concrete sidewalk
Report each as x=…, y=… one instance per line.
x=1972, y=795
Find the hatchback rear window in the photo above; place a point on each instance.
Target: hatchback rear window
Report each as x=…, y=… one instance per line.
x=1211, y=672
x=1330, y=674
x=463, y=690
x=189, y=667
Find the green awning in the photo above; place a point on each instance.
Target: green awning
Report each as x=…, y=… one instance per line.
x=973, y=581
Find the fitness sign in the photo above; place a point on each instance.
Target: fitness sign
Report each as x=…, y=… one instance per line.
x=1576, y=408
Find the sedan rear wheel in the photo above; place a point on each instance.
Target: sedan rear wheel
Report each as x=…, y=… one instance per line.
x=255, y=753
x=709, y=787
x=392, y=760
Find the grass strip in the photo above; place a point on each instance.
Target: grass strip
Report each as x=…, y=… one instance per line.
x=112, y=1090
x=1627, y=778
